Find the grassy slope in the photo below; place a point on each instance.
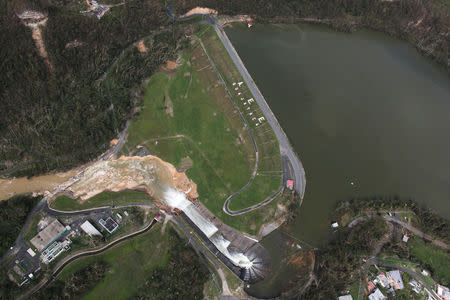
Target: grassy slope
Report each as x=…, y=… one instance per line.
x=268, y=178
x=103, y=199
x=429, y=255
x=130, y=262
x=205, y=128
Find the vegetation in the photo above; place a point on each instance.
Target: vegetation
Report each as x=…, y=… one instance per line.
x=65, y=203
x=182, y=278
x=186, y=116
x=419, y=252
x=340, y=260
x=422, y=218
x=268, y=177
x=157, y=265
x=61, y=118
x=76, y=284
x=13, y=213
x=432, y=258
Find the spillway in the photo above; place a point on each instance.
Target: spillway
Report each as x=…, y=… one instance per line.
x=251, y=263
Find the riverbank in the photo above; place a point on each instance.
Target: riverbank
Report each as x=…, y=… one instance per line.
x=424, y=24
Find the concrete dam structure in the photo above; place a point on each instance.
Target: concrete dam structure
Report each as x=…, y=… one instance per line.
x=241, y=254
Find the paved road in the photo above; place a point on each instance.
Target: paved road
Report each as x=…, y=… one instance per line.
x=285, y=146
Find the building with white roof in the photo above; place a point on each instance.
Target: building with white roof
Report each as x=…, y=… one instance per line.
x=377, y=295
x=90, y=229
x=443, y=292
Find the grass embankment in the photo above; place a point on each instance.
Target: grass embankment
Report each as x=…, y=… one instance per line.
x=268, y=178
x=141, y=264
x=431, y=257
x=65, y=203
x=187, y=114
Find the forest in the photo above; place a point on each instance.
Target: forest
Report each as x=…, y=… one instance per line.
x=426, y=220
x=13, y=213
x=182, y=278
x=339, y=261
x=75, y=285
x=56, y=119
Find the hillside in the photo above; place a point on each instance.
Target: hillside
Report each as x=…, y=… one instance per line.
x=62, y=110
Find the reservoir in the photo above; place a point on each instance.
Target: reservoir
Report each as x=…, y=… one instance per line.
x=366, y=113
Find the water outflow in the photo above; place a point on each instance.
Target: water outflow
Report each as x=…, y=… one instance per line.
x=178, y=200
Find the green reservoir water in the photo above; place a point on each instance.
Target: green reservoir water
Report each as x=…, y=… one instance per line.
x=359, y=108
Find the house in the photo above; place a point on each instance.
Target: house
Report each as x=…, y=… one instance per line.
x=382, y=279
x=370, y=286
x=405, y=238
x=377, y=295
x=443, y=292
x=395, y=279
x=416, y=286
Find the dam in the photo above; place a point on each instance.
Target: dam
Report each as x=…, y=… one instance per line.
x=243, y=255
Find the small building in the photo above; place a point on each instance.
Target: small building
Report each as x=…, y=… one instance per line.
x=416, y=286
x=443, y=292
x=50, y=233
x=249, y=24
x=31, y=252
x=425, y=273
x=158, y=217
x=377, y=295
x=395, y=279
x=109, y=224
x=119, y=216
x=370, y=286
x=335, y=225
x=382, y=279
x=345, y=297
x=405, y=238
x=290, y=184
x=90, y=229
x=54, y=250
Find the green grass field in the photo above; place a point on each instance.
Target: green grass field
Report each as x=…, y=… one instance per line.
x=434, y=257
x=206, y=129
x=65, y=203
x=268, y=179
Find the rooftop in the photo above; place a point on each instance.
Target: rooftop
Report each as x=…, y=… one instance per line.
x=48, y=235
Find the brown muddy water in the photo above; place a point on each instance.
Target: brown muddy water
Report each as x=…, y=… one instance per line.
x=367, y=115
x=38, y=184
